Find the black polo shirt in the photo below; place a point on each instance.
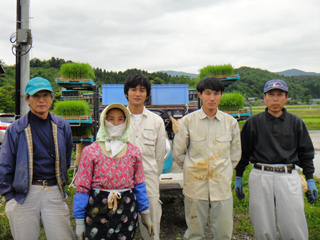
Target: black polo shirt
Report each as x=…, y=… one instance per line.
x=276, y=140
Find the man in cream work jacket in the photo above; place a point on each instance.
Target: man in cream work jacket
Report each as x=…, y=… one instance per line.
x=147, y=131
x=208, y=146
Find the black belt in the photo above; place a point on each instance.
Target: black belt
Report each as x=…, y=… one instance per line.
x=278, y=169
x=51, y=182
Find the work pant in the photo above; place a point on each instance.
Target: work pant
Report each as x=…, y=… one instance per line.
x=277, y=198
x=155, y=213
x=45, y=203
x=221, y=218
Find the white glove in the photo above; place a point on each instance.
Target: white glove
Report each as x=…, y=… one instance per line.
x=146, y=220
x=80, y=228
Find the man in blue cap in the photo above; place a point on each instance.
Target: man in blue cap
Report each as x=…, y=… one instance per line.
x=34, y=159
x=275, y=141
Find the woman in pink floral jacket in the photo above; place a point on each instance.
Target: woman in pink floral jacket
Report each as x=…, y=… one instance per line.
x=110, y=182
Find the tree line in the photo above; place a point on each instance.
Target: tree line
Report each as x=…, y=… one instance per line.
x=251, y=82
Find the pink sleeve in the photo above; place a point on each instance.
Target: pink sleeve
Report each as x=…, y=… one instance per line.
x=138, y=168
x=85, y=171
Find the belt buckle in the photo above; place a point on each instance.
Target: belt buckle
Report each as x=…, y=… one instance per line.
x=45, y=183
x=270, y=169
x=277, y=169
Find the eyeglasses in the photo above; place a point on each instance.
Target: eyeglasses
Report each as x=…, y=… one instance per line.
x=45, y=96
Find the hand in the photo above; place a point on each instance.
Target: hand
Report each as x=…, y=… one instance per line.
x=146, y=220
x=238, y=188
x=80, y=228
x=313, y=191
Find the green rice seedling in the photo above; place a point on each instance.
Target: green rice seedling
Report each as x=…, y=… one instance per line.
x=82, y=131
x=72, y=108
x=216, y=70
x=232, y=102
x=77, y=70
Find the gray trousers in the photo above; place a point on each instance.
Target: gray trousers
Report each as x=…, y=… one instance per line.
x=45, y=203
x=221, y=218
x=276, y=200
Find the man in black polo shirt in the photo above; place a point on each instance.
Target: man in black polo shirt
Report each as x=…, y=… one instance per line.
x=275, y=141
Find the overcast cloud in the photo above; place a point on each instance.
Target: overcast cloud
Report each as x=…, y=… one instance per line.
x=181, y=35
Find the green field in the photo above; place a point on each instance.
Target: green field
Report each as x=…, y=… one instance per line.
x=310, y=114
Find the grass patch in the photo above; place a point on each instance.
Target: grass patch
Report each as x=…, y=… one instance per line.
x=216, y=70
x=231, y=102
x=72, y=108
x=5, y=232
x=242, y=222
x=312, y=123
x=77, y=70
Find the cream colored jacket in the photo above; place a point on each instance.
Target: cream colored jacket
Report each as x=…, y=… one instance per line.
x=208, y=149
x=150, y=137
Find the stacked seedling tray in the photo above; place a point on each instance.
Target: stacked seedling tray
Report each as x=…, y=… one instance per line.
x=83, y=119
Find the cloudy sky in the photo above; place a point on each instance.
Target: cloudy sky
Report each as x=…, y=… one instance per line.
x=181, y=35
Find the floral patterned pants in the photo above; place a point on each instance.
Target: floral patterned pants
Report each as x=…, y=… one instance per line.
x=118, y=222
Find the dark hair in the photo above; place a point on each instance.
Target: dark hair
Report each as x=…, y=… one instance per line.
x=52, y=95
x=278, y=90
x=212, y=83
x=136, y=79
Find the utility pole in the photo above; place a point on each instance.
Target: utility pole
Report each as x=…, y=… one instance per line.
x=23, y=46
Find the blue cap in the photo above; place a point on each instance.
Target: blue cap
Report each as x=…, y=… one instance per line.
x=37, y=84
x=275, y=84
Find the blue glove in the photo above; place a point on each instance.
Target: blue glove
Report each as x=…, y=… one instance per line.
x=238, y=188
x=312, y=198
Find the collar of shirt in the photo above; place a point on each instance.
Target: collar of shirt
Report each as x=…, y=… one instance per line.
x=144, y=112
x=271, y=117
x=218, y=115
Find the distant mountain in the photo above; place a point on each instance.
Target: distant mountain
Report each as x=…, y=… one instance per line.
x=176, y=73
x=295, y=72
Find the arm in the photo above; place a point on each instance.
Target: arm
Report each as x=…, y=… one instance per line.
x=247, y=148
x=245, y=155
x=80, y=202
x=160, y=147
x=69, y=144
x=235, y=146
x=139, y=185
x=140, y=191
x=306, y=155
x=7, y=166
x=85, y=172
x=181, y=143
x=305, y=151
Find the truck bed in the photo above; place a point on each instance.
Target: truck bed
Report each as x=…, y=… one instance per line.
x=172, y=180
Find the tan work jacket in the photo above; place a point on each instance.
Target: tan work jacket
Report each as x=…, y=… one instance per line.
x=208, y=149
x=150, y=137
